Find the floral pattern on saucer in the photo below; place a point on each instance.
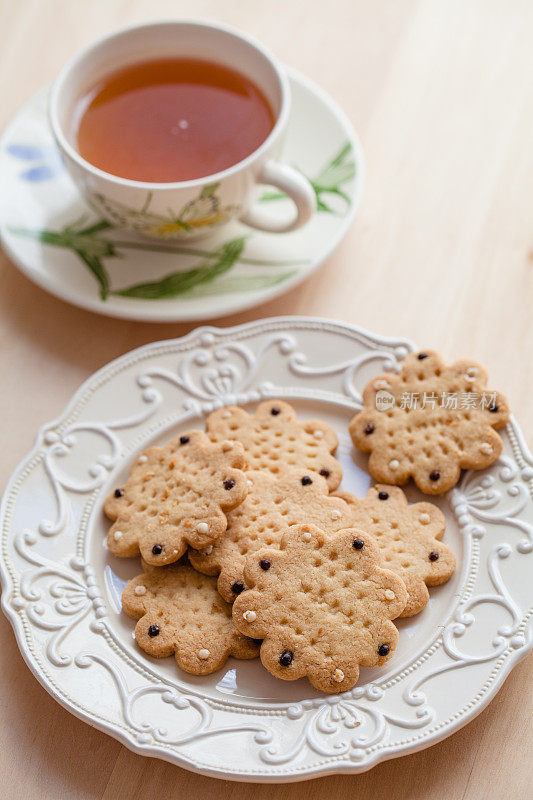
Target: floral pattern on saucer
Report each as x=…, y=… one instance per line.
x=91, y=247
x=49, y=231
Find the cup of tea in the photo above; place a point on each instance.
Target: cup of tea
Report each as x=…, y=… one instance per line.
x=168, y=128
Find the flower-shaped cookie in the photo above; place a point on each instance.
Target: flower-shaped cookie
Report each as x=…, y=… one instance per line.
x=428, y=422
x=273, y=437
x=175, y=496
x=181, y=612
x=322, y=605
x=273, y=503
x=408, y=537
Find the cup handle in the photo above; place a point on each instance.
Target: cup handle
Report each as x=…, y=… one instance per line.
x=295, y=186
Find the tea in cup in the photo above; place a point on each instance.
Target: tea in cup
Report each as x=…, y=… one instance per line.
x=168, y=128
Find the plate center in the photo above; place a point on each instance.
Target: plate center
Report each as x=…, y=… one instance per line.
x=248, y=680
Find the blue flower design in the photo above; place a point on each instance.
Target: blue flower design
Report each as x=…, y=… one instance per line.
x=47, y=161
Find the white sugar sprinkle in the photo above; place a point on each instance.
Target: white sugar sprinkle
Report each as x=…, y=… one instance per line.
x=389, y=594
x=117, y=535
x=486, y=448
x=335, y=515
x=250, y=616
x=202, y=527
x=318, y=434
x=203, y=653
x=424, y=518
x=306, y=537
x=394, y=464
x=226, y=415
x=143, y=459
x=338, y=675
x=140, y=590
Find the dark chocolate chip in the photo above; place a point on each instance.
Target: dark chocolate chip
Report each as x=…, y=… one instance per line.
x=229, y=484
x=422, y=356
x=157, y=549
x=275, y=410
x=119, y=492
x=370, y=428
x=433, y=556
x=184, y=439
x=153, y=630
x=383, y=650
x=434, y=475
x=383, y=495
x=494, y=407
x=306, y=480
x=325, y=473
x=237, y=587
x=264, y=564
x=358, y=544
x=286, y=658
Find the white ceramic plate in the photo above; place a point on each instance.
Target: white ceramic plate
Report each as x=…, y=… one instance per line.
x=61, y=587
x=55, y=238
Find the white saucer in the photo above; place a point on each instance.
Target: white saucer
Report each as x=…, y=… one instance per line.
x=54, y=237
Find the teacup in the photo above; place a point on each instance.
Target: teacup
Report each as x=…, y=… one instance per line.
x=189, y=209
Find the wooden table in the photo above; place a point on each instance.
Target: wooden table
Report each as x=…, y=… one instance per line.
x=441, y=93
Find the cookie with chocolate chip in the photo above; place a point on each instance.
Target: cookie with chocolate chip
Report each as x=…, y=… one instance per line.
x=323, y=606
x=175, y=496
x=180, y=612
x=273, y=503
x=408, y=537
x=273, y=437
x=429, y=421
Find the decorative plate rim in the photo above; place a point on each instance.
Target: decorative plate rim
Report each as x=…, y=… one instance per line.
x=149, y=313
x=323, y=717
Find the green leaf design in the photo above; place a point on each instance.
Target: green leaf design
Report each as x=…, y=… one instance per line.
x=337, y=172
x=91, y=248
x=272, y=194
x=81, y=240
x=209, y=190
x=340, y=170
x=178, y=283
x=240, y=283
x=184, y=250
x=98, y=270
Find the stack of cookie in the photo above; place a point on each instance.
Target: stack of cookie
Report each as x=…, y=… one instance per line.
x=248, y=548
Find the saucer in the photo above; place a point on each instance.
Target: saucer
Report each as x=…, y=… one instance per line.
x=60, y=243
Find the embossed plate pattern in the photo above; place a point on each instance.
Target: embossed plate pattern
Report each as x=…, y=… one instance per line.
x=61, y=587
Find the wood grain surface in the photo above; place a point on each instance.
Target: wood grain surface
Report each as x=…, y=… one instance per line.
x=441, y=94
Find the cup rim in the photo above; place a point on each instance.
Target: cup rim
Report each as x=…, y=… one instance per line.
x=215, y=177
